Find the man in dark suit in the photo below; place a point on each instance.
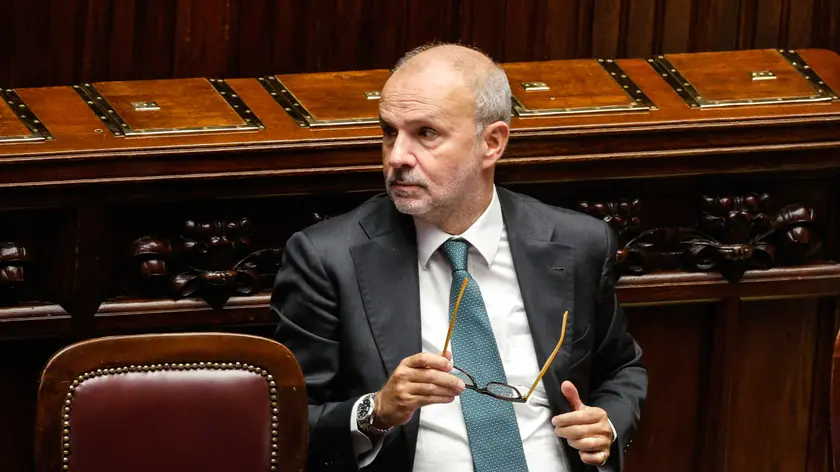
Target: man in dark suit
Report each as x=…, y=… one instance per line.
x=365, y=300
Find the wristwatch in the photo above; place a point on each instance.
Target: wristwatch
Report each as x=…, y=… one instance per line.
x=364, y=415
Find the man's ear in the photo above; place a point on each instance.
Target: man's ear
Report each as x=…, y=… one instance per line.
x=495, y=138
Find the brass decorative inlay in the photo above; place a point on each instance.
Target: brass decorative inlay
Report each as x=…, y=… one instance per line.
x=763, y=75
x=689, y=94
x=67, y=422
x=637, y=99
x=38, y=132
x=120, y=128
x=145, y=106
x=373, y=95
x=535, y=86
x=298, y=112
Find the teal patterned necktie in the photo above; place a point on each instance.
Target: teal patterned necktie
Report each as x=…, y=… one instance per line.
x=491, y=423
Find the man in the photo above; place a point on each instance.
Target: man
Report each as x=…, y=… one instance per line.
x=365, y=300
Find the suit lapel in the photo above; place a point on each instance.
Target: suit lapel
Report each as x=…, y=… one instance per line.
x=386, y=268
x=545, y=271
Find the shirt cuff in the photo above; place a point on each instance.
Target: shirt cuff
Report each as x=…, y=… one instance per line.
x=365, y=451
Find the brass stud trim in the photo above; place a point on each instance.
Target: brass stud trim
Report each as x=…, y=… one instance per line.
x=269, y=379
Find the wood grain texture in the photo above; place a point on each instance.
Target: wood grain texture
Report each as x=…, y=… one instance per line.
x=772, y=384
x=666, y=343
x=58, y=42
x=20, y=364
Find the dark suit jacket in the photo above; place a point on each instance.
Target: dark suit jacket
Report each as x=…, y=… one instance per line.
x=349, y=306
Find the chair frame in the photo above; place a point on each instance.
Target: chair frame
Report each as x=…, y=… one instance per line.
x=173, y=351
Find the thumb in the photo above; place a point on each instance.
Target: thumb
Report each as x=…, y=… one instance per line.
x=571, y=394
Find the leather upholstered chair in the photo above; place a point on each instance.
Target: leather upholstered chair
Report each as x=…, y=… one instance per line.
x=209, y=402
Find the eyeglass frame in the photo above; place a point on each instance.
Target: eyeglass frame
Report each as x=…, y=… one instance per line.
x=484, y=390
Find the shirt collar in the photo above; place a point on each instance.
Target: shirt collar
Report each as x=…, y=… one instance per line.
x=485, y=234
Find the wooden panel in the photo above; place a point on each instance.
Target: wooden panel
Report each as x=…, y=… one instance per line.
x=674, y=399
x=770, y=14
x=800, y=23
x=580, y=83
x=773, y=375
x=154, y=31
x=606, y=28
x=435, y=20
x=676, y=27
x=20, y=364
x=10, y=125
x=29, y=48
x=566, y=34
x=187, y=103
x=641, y=28
x=56, y=42
x=330, y=96
x=205, y=35
x=717, y=78
x=523, y=43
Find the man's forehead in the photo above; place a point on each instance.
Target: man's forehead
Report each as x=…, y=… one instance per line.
x=424, y=94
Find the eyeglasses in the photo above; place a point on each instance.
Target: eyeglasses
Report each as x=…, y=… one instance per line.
x=499, y=390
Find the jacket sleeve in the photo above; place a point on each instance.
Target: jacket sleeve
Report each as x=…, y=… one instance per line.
x=619, y=379
x=305, y=301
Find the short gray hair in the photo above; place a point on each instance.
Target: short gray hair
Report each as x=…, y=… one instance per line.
x=492, y=89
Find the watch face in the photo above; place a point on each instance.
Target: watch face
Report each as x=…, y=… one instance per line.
x=364, y=409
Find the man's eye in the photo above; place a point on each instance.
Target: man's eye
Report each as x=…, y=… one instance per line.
x=428, y=133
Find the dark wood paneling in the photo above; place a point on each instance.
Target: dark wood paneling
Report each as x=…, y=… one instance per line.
x=773, y=374
x=57, y=42
x=21, y=363
x=672, y=406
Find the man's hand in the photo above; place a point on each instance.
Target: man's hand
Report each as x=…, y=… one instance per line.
x=586, y=428
x=420, y=380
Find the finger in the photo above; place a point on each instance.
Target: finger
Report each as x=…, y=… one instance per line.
x=578, y=431
x=418, y=401
x=586, y=416
x=594, y=458
x=434, y=377
x=425, y=360
x=572, y=395
x=449, y=356
x=427, y=389
x=590, y=444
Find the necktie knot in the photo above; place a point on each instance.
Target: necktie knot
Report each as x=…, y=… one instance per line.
x=456, y=252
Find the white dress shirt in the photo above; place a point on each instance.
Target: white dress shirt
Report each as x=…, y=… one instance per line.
x=442, y=442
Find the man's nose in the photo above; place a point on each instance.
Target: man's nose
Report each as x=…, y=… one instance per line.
x=402, y=153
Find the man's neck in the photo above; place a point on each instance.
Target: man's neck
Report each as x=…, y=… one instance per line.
x=459, y=219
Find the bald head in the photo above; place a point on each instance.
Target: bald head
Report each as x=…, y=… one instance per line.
x=455, y=66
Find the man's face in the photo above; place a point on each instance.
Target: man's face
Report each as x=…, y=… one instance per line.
x=430, y=154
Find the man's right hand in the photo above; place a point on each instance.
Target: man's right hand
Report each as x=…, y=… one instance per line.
x=420, y=380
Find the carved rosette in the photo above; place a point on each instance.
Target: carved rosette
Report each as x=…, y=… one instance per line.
x=734, y=234
x=14, y=265
x=211, y=260
x=624, y=217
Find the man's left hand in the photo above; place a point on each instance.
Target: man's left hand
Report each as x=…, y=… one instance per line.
x=586, y=428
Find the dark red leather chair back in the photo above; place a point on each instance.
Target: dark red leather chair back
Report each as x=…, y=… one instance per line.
x=212, y=402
